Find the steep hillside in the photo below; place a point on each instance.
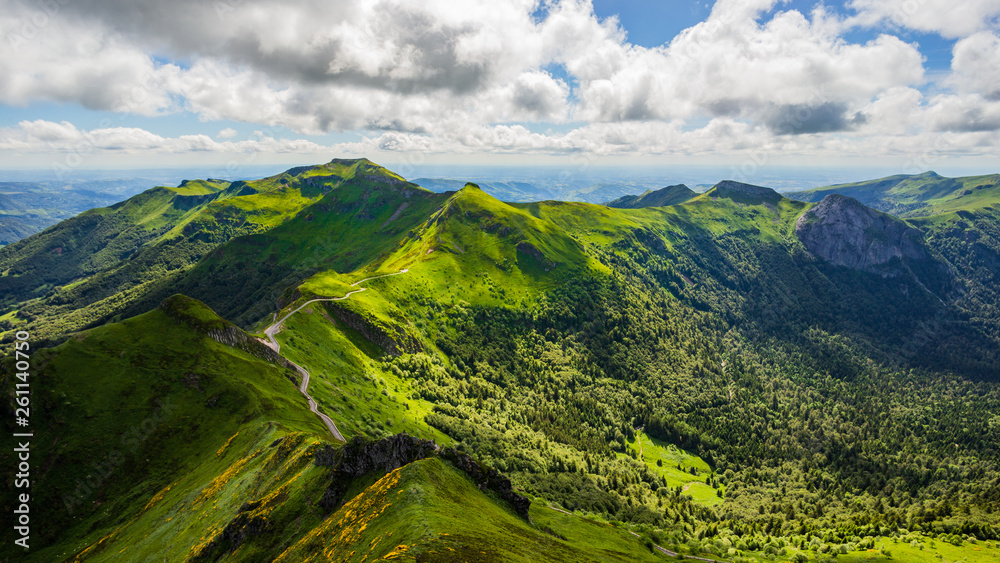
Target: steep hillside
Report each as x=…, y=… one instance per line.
x=670, y=195
x=844, y=232
x=916, y=195
x=357, y=224
x=146, y=412
x=970, y=243
x=175, y=435
x=611, y=318
x=89, y=268
x=410, y=515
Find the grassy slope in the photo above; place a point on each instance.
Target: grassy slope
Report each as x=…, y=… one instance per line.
x=136, y=407
x=472, y=250
x=365, y=217
x=410, y=515
x=93, y=266
x=347, y=381
x=675, y=465
x=468, y=253
x=917, y=195
x=233, y=438
x=670, y=195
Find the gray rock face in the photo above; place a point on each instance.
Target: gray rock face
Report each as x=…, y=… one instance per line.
x=842, y=231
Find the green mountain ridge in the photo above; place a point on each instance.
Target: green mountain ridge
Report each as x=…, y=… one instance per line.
x=916, y=195
x=703, y=374
x=89, y=268
x=670, y=195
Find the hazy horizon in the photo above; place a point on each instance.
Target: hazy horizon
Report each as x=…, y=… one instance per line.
x=781, y=178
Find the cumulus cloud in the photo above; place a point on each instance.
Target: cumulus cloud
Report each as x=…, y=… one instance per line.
x=431, y=77
x=976, y=65
x=46, y=56
x=946, y=17
x=963, y=113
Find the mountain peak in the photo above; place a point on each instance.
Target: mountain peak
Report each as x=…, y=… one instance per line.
x=744, y=193
x=845, y=232
x=349, y=161
x=670, y=195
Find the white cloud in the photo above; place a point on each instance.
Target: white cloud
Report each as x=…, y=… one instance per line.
x=64, y=137
x=732, y=65
x=963, y=113
x=431, y=77
x=949, y=18
x=976, y=65
x=53, y=58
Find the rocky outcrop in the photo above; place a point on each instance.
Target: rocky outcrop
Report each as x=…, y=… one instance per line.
x=488, y=478
x=246, y=525
x=363, y=457
x=843, y=232
x=393, y=340
x=201, y=318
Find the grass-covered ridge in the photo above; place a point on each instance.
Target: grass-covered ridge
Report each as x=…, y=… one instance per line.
x=91, y=267
x=411, y=515
x=917, y=195
x=144, y=412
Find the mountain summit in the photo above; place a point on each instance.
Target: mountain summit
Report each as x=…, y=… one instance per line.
x=744, y=193
x=844, y=232
x=670, y=195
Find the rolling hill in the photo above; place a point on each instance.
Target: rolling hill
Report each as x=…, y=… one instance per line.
x=734, y=375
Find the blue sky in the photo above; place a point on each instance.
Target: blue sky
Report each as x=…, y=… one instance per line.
x=611, y=82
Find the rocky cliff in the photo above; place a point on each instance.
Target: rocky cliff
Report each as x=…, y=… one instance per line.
x=363, y=457
x=842, y=231
x=201, y=318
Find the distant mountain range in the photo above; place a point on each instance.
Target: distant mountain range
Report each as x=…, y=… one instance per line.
x=29, y=207
x=522, y=191
x=915, y=195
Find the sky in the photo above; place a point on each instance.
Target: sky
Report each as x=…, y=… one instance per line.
x=906, y=85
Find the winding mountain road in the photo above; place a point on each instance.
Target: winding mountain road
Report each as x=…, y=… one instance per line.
x=304, y=387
